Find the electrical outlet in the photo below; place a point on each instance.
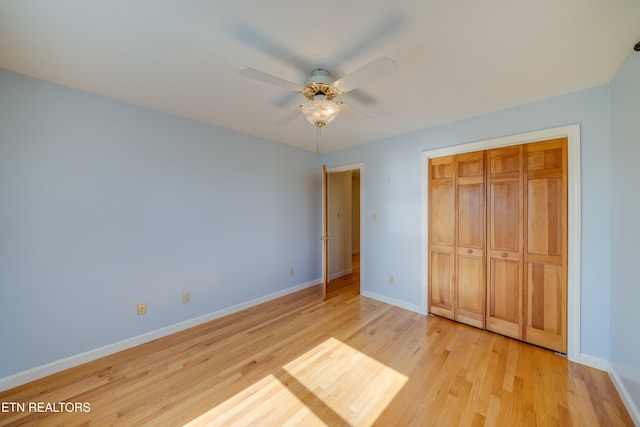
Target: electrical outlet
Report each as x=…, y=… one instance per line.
x=186, y=297
x=142, y=308
x=291, y=271
x=374, y=217
x=392, y=280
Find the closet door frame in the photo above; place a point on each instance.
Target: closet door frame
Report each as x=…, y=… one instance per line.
x=572, y=133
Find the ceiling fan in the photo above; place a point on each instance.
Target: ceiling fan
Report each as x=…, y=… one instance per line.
x=321, y=90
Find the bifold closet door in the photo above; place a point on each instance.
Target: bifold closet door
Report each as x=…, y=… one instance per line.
x=505, y=241
x=498, y=241
x=456, y=238
x=546, y=244
x=441, y=235
x=469, y=281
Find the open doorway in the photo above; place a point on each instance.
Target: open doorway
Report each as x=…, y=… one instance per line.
x=344, y=219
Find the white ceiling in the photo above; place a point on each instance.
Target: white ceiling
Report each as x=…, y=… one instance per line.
x=455, y=59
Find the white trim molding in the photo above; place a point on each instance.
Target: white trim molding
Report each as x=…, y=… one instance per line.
x=392, y=301
x=594, y=362
x=60, y=365
x=616, y=379
x=340, y=273
x=347, y=168
x=634, y=411
x=572, y=133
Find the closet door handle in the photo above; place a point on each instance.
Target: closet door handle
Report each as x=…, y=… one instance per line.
x=469, y=251
x=504, y=255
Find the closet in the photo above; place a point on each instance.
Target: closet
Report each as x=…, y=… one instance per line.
x=498, y=241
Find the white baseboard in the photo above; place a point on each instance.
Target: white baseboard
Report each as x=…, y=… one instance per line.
x=585, y=359
x=340, y=274
x=24, y=377
x=634, y=411
x=392, y=301
x=605, y=365
x=593, y=362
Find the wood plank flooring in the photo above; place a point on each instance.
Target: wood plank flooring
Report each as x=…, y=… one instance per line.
x=349, y=360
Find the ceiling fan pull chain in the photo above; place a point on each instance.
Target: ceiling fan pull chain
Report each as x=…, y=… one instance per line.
x=317, y=140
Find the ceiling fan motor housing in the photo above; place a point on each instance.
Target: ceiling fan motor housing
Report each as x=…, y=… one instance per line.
x=319, y=75
x=320, y=83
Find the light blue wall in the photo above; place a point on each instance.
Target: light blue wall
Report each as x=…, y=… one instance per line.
x=104, y=204
x=393, y=190
x=625, y=233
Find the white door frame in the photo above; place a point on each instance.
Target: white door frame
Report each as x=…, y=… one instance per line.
x=347, y=168
x=572, y=133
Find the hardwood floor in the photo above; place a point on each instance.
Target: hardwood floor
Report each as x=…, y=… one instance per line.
x=349, y=360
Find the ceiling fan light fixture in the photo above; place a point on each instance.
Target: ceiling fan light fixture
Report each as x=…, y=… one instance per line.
x=320, y=111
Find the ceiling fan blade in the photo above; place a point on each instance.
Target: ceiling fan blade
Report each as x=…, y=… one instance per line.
x=286, y=99
x=372, y=37
x=379, y=68
x=268, y=78
x=362, y=97
x=290, y=117
x=354, y=113
x=261, y=41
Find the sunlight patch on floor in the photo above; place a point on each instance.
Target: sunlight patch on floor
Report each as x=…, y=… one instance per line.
x=353, y=385
x=330, y=384
x=267, y=402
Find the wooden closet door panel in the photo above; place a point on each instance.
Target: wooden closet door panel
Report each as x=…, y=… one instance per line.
x=544, y=213
x=546, y=302
x=504, y=310
x=442, y=213
x=471, y=220
x=505, y=219
x=442, y=236
x=471, y=288
x=505, y=222
x=441, y=296
x=546, y=244
x=470, y=239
